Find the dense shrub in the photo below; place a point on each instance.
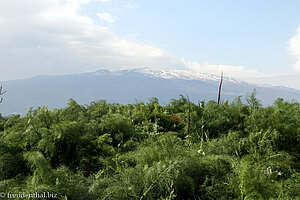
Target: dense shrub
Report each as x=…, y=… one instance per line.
x=148, y=151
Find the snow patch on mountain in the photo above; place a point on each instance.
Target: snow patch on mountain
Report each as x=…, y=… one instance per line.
x=183, y=74
x=171, y=74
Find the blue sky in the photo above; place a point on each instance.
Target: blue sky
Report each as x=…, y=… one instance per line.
x=252, y=40
x=248, y=33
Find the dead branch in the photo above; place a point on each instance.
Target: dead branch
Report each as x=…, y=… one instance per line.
x=1, y=93
x=220, y=87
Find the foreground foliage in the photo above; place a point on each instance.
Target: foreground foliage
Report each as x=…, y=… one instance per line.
x=143, y=151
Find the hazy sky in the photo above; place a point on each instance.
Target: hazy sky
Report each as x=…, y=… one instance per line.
x=247, y=39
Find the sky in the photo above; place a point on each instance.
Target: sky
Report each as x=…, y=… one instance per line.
x=251, y=40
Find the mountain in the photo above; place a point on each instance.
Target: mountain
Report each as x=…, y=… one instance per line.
x=281, y=79
x=129, y=86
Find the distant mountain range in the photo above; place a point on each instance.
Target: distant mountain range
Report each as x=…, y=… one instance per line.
x=129, y=86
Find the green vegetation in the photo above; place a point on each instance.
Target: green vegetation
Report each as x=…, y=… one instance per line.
x=142, y=151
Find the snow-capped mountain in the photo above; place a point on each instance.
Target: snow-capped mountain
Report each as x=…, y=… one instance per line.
x=127, y=86
x=170, y=74
x=183, y=74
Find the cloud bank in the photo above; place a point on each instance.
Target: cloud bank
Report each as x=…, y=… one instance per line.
x=51, y=37
x=294, y=49
x=106, y=17
x=229, y=70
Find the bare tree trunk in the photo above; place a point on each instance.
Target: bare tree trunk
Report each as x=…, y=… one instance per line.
x=189, y=116
x=220, y=87
x=1, y=93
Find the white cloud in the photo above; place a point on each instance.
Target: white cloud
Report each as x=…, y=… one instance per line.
x=106, y=17
x=294, y=49
x=239, y=72
x=130, y=5
x=288, y=78
x=51, y=37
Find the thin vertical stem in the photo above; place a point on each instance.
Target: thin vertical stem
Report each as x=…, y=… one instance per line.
x=1, y=93
x=220, y=87
x=189, y=116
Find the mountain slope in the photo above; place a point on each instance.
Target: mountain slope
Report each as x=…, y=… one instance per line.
x=127, y=86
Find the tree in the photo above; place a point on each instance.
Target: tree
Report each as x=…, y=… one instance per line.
x=253, y=101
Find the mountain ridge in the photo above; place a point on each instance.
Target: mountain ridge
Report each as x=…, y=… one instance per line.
x=124, y=86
